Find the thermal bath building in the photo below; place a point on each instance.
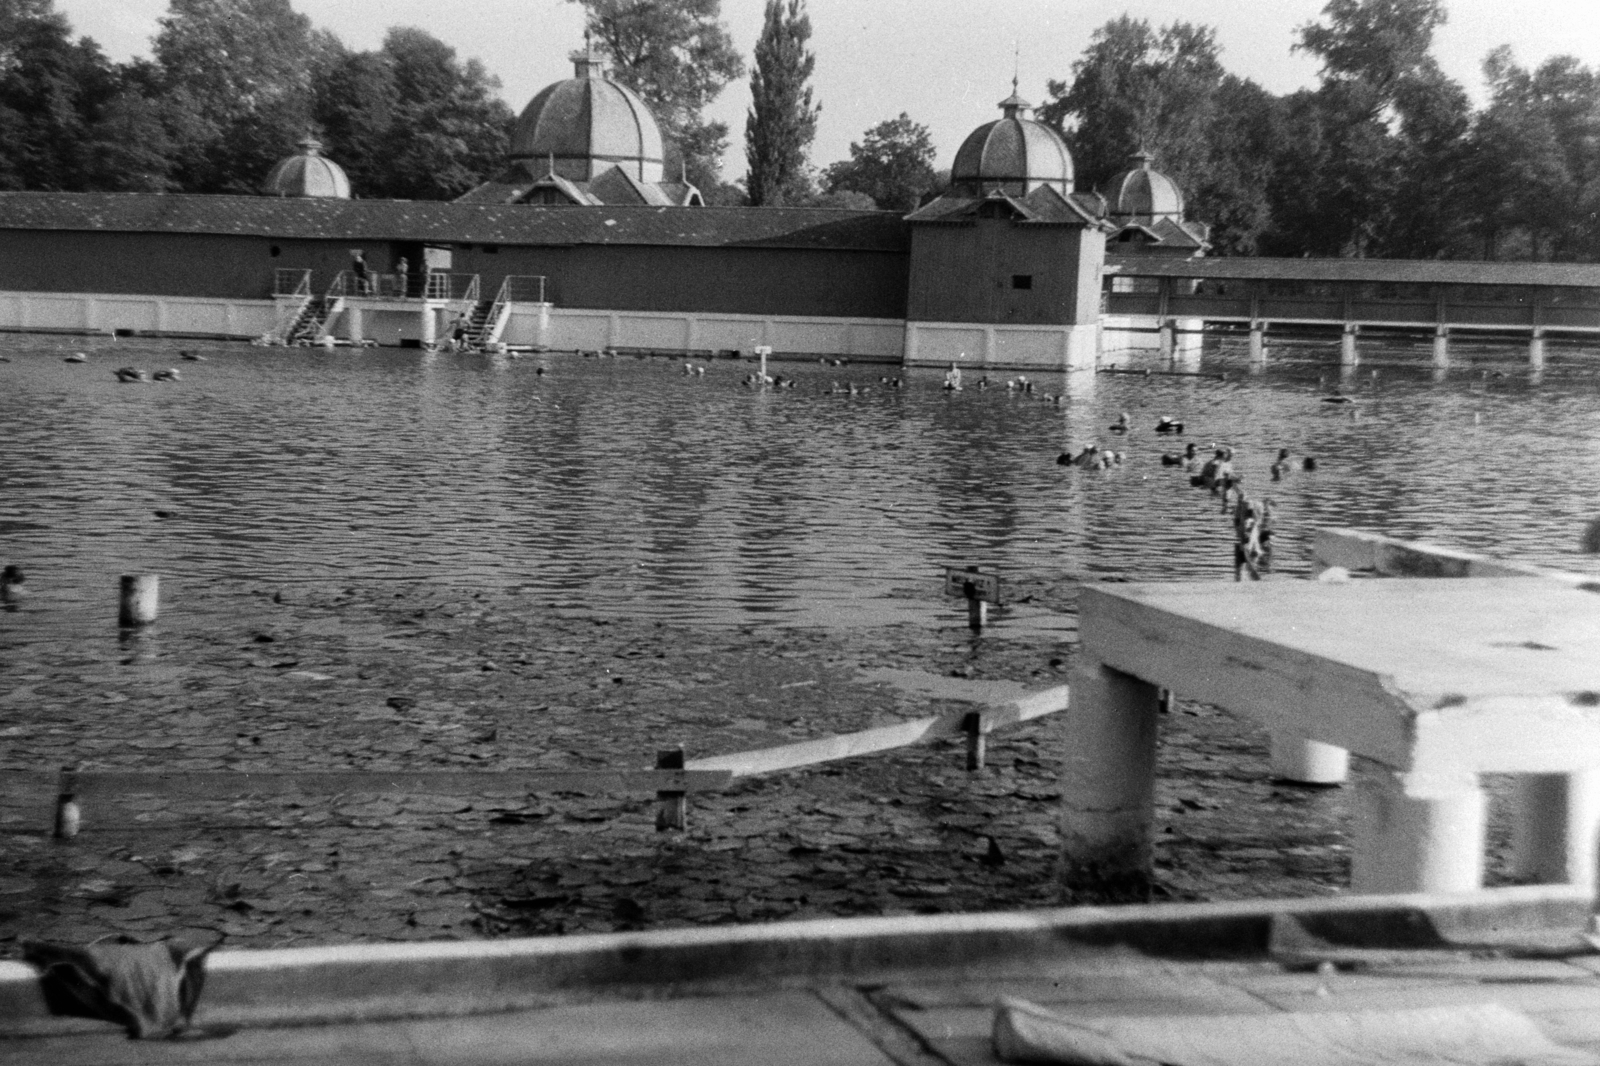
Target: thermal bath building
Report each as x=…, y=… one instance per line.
x=582, y=240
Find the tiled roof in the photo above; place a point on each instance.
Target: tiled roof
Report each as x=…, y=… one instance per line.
x=1169, y=233
x=1043, y=205
x=1395, y=271
x=458, y=223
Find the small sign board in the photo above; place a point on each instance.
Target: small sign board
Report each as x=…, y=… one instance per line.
x=971, y=584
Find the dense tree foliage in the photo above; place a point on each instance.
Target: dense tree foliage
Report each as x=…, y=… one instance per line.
x=892, y=166
x=782, y=120
x=1386, y=156
x=677, y=55
x=232, y=85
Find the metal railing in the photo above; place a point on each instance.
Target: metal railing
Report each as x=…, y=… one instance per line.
x=515, y=288
x=522, y=288
x=454, y=287
x=290, y=282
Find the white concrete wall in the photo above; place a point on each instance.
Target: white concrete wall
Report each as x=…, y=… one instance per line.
x=570, y=328
x=173, y=314
x=976, y=345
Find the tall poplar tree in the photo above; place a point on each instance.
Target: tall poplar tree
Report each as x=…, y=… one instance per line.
x=782, y=120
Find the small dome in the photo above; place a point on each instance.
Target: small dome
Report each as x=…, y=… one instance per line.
x=1013, y=154
x=588, y=124
x=308, y=173
x=1140, y=194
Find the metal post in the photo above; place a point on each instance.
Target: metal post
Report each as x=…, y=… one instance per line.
x=672, y=808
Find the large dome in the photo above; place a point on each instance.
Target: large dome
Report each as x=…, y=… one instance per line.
x=1013, y=154
x=308, y=173
x=588, y=124
x=1140, y=194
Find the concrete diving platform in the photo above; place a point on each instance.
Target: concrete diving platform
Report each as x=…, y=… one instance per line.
x=1436, y=682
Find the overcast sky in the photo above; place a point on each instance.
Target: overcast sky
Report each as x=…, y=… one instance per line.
x=944, y=62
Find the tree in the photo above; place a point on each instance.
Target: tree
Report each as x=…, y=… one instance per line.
x=1532, y=160
x=1381, y=43
x=236, y=78
x=50, y=92
x=1383, y=119
x=782, y=120
x=1165, y=91
x=677, y=55
x=1136, y=87
x=892, y=165
x=354, y=103
x=450, y=130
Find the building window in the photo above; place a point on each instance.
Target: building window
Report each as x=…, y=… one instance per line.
x=1022, y=281
x=275, y=251
x=492, y=249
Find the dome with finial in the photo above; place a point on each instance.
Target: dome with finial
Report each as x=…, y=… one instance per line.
x=1141, y=194
x=308, y=173
x=582, y=127
x=1013, y=154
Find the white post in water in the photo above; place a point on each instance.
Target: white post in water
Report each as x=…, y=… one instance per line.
x=141, y=594
x=1258, y=344
x=1536, y=349
x=1347, y=346
x=1441, y=347
x=763, y=350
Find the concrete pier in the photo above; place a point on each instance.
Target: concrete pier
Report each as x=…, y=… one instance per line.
x=1556, y=830
x=1433, y=680
x=1258, y=344
x=1308, y=762
x=1416, y=830
x=1108, y=780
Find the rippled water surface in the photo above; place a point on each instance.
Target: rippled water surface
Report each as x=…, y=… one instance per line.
x=625, y=486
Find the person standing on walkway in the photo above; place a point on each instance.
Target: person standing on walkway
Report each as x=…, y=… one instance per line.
x=358, y=267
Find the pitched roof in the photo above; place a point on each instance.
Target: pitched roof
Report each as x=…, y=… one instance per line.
x=1045, y=204
x=1169, y=233
x=459, y=223
x=1394, y=271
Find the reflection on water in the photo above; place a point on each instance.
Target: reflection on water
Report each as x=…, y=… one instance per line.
x=626, y=486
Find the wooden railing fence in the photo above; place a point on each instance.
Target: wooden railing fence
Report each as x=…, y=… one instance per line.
x=672, y=780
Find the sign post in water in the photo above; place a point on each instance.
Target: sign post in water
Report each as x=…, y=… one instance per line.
x=979, y=590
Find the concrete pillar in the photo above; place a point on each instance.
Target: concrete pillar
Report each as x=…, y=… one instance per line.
x=1258, y=344
x=1108, y=778
x=1169, y=338
x=1536, y=349
x=429, y=325
x=1555, y=828
x=1441, y=348
x=1347, y=347
x=355, y=326
x=542, y=337
x=1308, y=762
x=1418, y=832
